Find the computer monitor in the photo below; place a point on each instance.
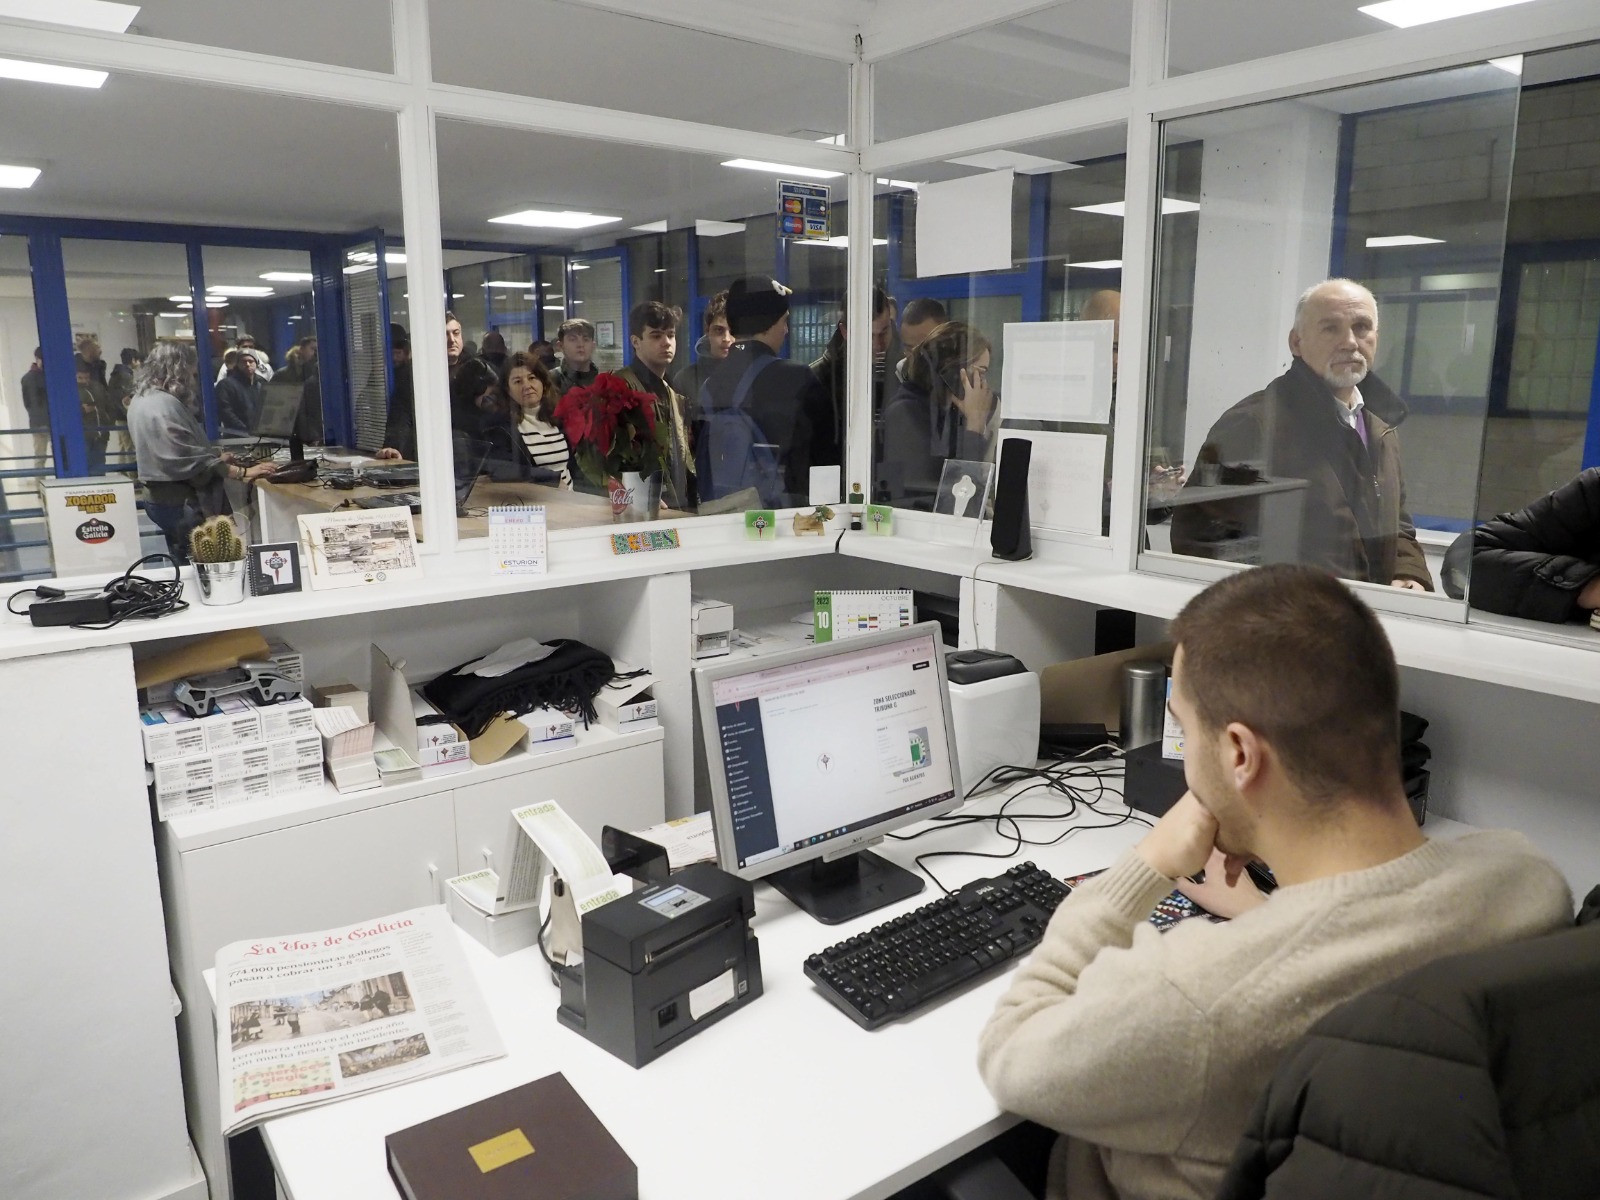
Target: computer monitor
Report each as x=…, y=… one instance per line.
x=280, y=408
x=816, y=753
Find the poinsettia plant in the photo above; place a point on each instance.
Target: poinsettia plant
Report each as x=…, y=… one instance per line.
x=612, y=428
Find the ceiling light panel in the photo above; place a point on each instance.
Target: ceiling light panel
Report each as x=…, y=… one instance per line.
x=1402, y=239
x=772, y=168
x=17, y=177
x=79, y=14
x=37, y=72
x=544, y=218
x=1406, y=13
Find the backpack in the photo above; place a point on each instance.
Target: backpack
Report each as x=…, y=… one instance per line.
x=733, y=452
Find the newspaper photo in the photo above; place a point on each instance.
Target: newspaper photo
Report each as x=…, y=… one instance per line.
x=315, y=1017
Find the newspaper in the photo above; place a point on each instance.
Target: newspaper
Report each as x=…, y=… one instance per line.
x=315, y=1017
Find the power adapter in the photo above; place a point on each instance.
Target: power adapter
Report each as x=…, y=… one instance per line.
x=93, y=609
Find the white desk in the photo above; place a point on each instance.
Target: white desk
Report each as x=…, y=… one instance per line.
x=787, y=1099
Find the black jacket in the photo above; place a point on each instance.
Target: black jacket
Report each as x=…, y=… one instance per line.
x=785, y=401
x=1534, y=563
x=1473, y=1077
x=1355, y=522
x=400, y=430
x=920, y=433
x=238, y=404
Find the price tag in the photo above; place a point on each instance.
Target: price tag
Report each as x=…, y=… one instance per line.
x=517, y=540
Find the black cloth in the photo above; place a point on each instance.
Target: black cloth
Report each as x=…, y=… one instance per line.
x=785, y=401
x=35, y=398
x=919, y=433
x=400, y=430
x=569, y=678
x=827, y=439
x=1534, y=563
x=1472, y=1077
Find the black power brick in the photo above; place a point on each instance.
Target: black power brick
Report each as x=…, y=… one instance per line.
x=93, y=609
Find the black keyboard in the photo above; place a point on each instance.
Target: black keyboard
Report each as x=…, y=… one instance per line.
x=905, y=965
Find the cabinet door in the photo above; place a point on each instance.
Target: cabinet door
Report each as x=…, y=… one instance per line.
x=622, y=787
x=320, y=874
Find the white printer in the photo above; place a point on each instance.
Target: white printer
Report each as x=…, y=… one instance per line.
x=994, y=703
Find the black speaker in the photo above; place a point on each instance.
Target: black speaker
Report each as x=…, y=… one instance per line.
x=1011, y=538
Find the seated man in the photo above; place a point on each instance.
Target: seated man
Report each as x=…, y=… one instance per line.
x=1148, y=1050
x=1542, y=563
x=1330, y=421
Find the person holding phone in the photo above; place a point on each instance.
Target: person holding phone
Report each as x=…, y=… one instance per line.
x=943, y=409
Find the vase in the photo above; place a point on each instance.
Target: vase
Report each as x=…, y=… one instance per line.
x=635, y=497
x=220, y=583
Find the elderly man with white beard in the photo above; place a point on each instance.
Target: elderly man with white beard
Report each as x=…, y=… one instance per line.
x=1330, y=421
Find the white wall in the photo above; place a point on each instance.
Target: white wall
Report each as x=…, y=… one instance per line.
x=1266, y=219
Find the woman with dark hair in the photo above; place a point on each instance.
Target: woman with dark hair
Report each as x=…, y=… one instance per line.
x=474, y=398
x=943, y=409
x=527, y=396
x=183, y=474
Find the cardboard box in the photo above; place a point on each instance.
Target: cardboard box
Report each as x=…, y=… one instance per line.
x=242, y=791
x=231, y=722
x=497, y=739
x=198, y=799
x=303, y=778
x=1088, y=691
x=627, y=704
x=301, y=750
x=444, y=754
x=169, y=732
x=549, y=729
x=174, y=776
x=199, y=656
x=286, y=718
x=345, y=695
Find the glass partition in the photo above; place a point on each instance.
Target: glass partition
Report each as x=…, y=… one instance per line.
x=1325, y=318
x=618, y=256
x=126, y=232
x=584, y=54
x=25, y=450
x=1061, y=52
x=1538, y=550
x=351, y=33
x=1003, y=290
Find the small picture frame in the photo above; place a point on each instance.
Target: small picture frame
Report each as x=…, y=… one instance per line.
x=275, y=568
x=760, y=524
x=605, y=335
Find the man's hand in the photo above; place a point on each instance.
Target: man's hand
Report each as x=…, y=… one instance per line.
x=1589, y=598
x=1409, y=585
x=1182, y=841
x=388, y=452
x=1227, y=890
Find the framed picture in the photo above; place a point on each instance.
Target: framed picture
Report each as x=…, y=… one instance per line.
x=605, y=335
x=349, y=549
x=274, y=568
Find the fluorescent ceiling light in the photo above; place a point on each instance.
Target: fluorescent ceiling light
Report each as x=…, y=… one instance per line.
x=288, y=276
x=33, y=72
x=899, y=183
x=580, y=267
x=179, y=316
x=216, y=302
x=555, y=308
x=1022, y=164
x=839, y=242
x=717, y=228
x=836, y=139
x=17, y=177
x=180, y=299
x=508, y=283
x=358, y=268
x=228, y=289
x=1104, y=264
x=80, y=14
x=368, y=256
x=453, y=295
x=661, y=270
x=545, y=218
x=1118, y=208
x=1406, y=13
x=1511, y=65
x=652, y=227
x=554, y=295
x=1402, y=239
x=772, y=168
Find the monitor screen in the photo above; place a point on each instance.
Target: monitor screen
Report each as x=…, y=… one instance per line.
x=815, y=753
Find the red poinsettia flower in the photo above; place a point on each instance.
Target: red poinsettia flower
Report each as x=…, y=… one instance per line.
x=612, y=429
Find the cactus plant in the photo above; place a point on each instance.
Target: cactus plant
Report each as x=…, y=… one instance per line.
x=215, y=541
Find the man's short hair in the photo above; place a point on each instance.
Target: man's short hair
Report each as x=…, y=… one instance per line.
x=575, y=325
x=716, y=311
x=1305, y=296
x=923, y=309
x=755, y=304
x=400, y=343
x=128, y=355
x=1291, y=653
x=652, y=314
x=450, y=316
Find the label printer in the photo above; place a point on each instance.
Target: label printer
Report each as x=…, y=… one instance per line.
x=665, y=962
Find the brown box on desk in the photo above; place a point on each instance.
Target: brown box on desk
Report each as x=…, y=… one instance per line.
x=539, y=1139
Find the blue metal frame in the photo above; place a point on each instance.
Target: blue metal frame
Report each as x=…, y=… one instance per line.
x=383, y=313
x=327, y=290
x=54, y=320
x=1035, y=277
x=202, y=340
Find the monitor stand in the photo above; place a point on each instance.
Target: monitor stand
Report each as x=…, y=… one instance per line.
x=846, y=888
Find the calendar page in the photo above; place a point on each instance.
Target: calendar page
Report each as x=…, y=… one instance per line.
x=517, y=540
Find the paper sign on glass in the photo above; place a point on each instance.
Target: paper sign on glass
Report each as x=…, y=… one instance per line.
x=1066, y=480
x=964, y=225
x=1058, y=371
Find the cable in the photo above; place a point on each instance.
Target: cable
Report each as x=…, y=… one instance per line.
x=129, y=596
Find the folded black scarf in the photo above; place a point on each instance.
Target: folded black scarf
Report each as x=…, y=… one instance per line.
x=569, y=679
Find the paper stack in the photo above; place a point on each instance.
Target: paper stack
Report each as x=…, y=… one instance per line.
x=347, y=748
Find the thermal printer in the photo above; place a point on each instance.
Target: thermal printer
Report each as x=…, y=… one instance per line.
x=994, y=702
x=663, y=963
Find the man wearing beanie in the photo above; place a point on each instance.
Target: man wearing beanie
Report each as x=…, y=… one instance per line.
x=1148, y=1050
x=758, y=411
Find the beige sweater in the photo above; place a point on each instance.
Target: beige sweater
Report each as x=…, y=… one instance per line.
x=1149, y=1050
